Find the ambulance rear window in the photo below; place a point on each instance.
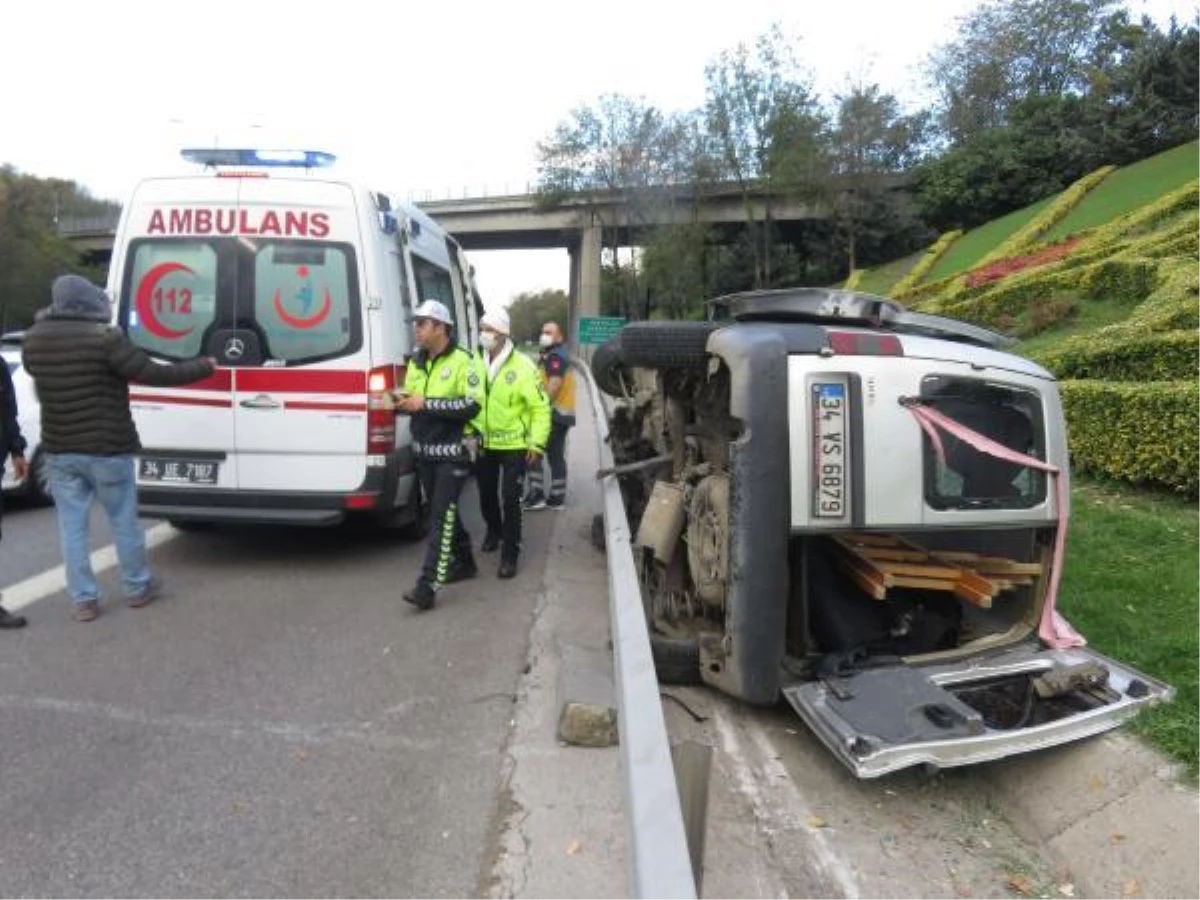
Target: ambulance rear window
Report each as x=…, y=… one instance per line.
x=171, y=294
x=305, y=300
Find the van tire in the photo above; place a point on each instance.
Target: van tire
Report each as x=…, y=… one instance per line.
x=666, y=345
x=675, y=661
x=608, y=367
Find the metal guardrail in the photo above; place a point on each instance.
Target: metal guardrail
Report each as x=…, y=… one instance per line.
x=657, y=847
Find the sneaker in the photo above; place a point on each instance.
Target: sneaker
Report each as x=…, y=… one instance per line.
x=422, y=596
x=535, y=501
x=508, y=568
x=461, y=570
x=146, y=595
x=87, y=611
x=490, y=542
x=556, y=503
x=10, y=620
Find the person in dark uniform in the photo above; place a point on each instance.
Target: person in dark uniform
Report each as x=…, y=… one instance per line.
x=559, y=380
x=14, y=447
x=441, y=392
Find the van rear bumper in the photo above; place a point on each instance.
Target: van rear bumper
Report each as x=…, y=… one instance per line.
x=258, y=507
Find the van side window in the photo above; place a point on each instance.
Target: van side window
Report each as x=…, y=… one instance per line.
x=967, y=478
x=305, y=299
x=433, y=283
x=171, y=296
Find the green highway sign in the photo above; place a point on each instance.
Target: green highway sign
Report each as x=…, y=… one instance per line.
x=598, y=329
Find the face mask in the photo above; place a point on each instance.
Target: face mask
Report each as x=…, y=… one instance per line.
x=545, y=341
x=489, y=340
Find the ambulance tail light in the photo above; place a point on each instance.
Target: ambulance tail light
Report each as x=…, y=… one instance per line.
x=381, y=411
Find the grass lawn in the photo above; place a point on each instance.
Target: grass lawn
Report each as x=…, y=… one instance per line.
x=1130, y=587
x=968, y=250
x=1128, y=188
x=879, y=280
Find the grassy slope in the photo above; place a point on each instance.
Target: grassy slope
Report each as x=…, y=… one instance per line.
x=1129, y=188
x=966, y=252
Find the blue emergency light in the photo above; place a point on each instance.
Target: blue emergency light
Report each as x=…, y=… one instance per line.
x=228, y=156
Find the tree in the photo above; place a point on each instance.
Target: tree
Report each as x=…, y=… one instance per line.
x=32, y=253
x=530, y=310
x=872, y=144
x=765, y=122
x=1008, y=50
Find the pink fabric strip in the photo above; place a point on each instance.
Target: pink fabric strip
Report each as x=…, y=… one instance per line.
x=1053, y=629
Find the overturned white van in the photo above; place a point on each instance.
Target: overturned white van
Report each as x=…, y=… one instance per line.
x=302, y=288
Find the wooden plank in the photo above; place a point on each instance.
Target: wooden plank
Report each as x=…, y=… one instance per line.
x=967, y=592
x=886, y=553
x=871, y=582
x=933, y=584
x=921, y=571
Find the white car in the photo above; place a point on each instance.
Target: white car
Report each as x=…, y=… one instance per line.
x=29, y=416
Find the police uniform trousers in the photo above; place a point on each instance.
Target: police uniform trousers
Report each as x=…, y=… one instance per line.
x=449, y=543
x=500, y=475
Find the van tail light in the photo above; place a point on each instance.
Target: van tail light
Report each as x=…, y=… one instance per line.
x=381, y=411
x=862, y=343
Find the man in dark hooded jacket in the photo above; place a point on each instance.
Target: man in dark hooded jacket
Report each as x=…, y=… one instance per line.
x=82, y=367
x=12, y=443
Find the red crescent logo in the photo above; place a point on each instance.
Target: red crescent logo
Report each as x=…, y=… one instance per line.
x=312, y=321
x=145, y=297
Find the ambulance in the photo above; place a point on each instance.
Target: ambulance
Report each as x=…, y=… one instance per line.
x=301, y=286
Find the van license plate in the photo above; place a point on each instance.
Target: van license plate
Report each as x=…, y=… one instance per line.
x=178, y=471
x=830, y=454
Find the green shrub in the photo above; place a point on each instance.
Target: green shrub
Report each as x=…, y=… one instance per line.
x=1119, y=356
x=924, y=264
x=1144, y=433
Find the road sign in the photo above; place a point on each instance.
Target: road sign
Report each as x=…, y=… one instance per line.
x=598, y=329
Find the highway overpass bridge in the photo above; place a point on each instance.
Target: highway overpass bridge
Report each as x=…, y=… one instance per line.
x=520, y=222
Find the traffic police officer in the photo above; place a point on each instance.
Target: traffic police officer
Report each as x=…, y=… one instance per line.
x=514, y=427
x=441, y=392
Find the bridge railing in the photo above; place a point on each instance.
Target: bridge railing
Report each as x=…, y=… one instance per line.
x=657, y=848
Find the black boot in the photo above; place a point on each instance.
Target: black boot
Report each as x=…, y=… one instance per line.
x=422, y=595
x=461, y=569
x=508, y=566
x=8, y=620
x=490, y=542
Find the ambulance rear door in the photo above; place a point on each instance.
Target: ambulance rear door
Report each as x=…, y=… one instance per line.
x=300, y=385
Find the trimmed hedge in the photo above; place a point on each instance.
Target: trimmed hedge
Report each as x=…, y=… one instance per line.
x=1117, y=356
x=924, y=265
x=1142, y=433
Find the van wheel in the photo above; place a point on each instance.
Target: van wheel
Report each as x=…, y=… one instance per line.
x=663, y=344
x=675, y=661
x=608, y=369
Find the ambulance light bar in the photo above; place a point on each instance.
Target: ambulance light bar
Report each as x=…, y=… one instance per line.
x=223, y=156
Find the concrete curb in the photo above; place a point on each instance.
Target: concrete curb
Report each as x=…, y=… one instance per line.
x=1113, y=811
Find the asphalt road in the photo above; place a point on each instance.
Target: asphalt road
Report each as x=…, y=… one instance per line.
x=280, y=724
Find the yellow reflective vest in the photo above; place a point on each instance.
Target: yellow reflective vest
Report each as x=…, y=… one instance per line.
x=516, y=410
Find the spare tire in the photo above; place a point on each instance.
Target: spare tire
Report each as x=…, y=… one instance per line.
x=664, y=345
x=607, y=367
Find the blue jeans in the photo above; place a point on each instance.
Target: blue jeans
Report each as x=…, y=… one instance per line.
x=75, y=480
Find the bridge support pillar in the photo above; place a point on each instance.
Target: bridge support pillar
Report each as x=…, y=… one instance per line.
x=585, y=280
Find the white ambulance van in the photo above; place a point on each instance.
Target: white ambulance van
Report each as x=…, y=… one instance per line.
x=302, y=287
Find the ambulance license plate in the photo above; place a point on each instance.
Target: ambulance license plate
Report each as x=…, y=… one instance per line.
x=178, y=471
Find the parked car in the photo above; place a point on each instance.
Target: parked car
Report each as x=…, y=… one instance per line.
x=861, y=509
x=29, y=415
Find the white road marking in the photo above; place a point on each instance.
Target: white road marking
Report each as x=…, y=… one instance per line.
x=54, y=580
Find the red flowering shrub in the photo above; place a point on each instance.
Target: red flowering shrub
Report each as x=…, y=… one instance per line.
x=1002, y=267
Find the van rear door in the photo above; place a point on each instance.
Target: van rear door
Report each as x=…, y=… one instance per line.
x=300, y=398
x=174, y=286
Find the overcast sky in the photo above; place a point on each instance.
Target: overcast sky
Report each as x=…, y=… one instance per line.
x=431, y=99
